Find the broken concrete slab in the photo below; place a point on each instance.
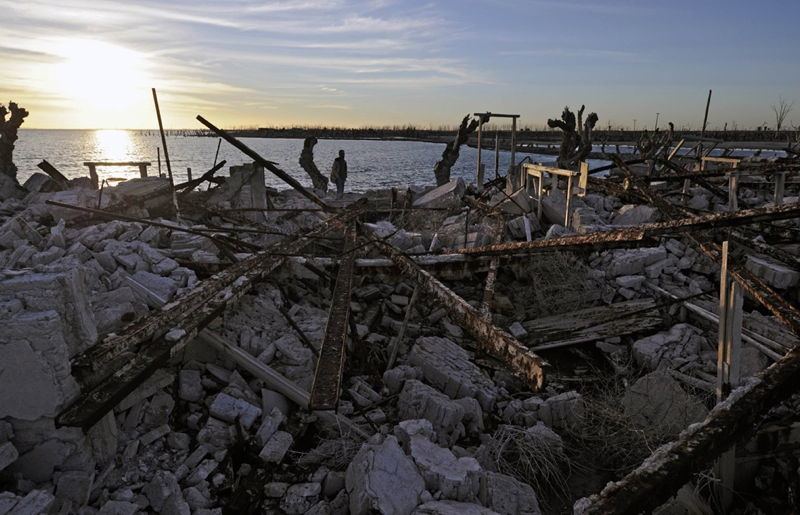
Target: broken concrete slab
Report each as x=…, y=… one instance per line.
x=373, y=477
x=449, y=367
x=276, y=447
x=457, y=479
x=418, y=400
x=657, y=403
x=446, y=195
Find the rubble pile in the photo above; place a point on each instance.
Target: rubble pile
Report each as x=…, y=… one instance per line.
x=224, y=425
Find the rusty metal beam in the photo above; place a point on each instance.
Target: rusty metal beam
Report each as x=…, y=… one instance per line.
x=516, y=356
x=269, y=165
x=673, y=464
x=640, y=233
x=113, y=368
x=330, y=364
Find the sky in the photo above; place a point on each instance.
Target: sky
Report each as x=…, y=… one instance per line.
x=241, y=63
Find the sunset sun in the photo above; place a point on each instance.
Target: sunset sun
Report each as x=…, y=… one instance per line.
x=101, y=76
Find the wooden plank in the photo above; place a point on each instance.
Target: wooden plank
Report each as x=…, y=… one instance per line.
x=116, y=163
x=54, y=174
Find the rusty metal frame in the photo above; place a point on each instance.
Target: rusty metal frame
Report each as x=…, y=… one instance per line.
x=673, y=464
x=524, y=363
x=110, y=370
x=641, y=233
x=330, y=364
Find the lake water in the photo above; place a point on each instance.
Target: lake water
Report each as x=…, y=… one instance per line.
x=371, y=164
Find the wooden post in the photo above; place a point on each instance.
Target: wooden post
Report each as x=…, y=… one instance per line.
x=216, y=155
x=514, y=180
x=158, y=151
x=733, y=189
x=496, y=155
x=583, y=180
x=189, y=174
x=568, y=202
x=728, y=364
x=479, y=171
x=163, y=137
x=93, y=176
x=539, y=191
x=780, y=185
x=143, y=171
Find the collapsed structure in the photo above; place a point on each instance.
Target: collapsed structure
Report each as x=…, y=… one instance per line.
x=430, y=351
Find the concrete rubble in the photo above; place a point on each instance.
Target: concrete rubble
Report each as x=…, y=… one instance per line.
x=227, y=428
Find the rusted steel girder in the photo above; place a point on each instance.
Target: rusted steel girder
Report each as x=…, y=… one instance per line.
x=640, y=233
x=269, y=165
x=149, y=343
x=330, y=364
x=673, y=464
x=516, y=356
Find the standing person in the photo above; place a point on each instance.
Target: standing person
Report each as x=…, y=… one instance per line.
x=339, y=174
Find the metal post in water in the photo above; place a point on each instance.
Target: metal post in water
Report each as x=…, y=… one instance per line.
x=219, y=142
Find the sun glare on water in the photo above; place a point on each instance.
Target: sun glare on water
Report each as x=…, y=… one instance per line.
x=113, y=145
x=108, y=80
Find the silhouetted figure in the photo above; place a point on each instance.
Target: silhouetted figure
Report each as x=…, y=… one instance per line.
x=339, y=174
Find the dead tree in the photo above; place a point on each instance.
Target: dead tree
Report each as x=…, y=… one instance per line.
x=8, y=136
x=650, y=144
x=576, y=137
x=781, y=110
x=450, y=154
x=307, y=163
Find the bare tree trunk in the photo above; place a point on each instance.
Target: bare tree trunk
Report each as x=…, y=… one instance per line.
x=8, y=136
x=450, y=154
x=576, y=137
x=307, y=163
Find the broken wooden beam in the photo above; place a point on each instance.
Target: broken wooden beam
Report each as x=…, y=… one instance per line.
x=269, y=165
x=54, y=174
x=330, y=365
x=116, y=366
x=491, y=339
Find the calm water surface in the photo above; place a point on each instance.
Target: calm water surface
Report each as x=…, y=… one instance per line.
x=371, y=164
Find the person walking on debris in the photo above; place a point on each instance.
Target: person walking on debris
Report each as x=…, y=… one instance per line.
x=339, y=174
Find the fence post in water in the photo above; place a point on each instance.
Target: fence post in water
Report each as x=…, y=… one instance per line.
x=496, y=155
x=158, y=152
x=189, y=173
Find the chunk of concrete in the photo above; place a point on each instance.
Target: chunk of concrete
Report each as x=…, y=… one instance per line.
x=448, y=367
x=381, y=478
x=418, y=400
x=657, y=403
x=35, y=502
x=190, y=385
x=457, y=479
x=65, y=293
x=300, y=498
x=775, y=274
x=231, y=409
x=506, y=495
x=75, y=486
x=446, y=195
x=277, y=446
x=8, y=454
x=160, y=488
x=630, y=214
